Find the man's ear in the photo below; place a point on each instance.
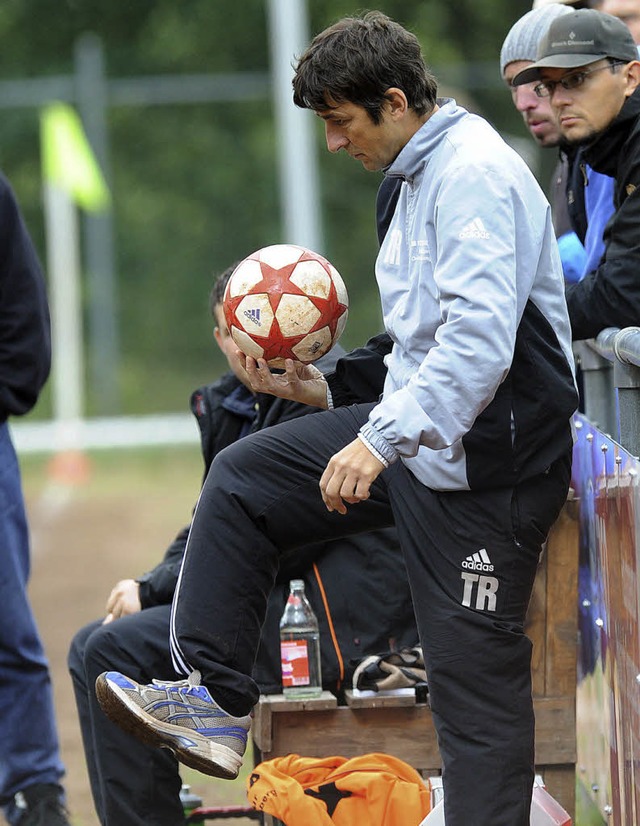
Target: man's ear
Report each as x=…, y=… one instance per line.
x=397, y=103
x=217, y=336
x=633, y=77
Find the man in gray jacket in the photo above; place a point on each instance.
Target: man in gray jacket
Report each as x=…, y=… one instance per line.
x=468, y=449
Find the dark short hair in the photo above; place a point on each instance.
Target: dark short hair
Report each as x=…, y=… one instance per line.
x=357, y=60
x=216, y=296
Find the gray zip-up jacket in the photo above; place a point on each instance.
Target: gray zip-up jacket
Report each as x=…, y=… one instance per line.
x=480, y=387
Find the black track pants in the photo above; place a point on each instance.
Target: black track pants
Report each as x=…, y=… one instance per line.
x=132, y=784
x=471, y=559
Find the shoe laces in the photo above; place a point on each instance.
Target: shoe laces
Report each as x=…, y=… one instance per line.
x=192, y=681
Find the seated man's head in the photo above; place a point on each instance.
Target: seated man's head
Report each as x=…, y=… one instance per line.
x=221, y=330
x=366, y=78
x=587, y=65
x=626, y=10
x=519, y=51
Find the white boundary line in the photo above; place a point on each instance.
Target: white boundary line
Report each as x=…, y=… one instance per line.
x=104, y=433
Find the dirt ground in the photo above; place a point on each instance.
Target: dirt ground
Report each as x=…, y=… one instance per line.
x=96, y=520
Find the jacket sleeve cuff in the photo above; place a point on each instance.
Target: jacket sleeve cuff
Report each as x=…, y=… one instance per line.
x=144, y=589
x=378, y=445
x=329, y=398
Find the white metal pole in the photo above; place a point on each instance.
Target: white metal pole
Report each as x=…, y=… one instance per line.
x=297, y=154
x=63, y=266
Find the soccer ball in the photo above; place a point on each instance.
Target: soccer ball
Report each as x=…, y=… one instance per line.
x=285, y=302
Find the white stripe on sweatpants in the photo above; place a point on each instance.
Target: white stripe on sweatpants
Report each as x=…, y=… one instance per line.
x=178, y=659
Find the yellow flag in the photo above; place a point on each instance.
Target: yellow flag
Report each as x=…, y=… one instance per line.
x=67, y=158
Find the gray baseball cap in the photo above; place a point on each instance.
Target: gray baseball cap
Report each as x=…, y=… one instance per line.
x=578, y=39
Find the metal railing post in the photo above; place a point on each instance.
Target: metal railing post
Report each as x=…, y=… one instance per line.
x=598, y=388
x=626, y=370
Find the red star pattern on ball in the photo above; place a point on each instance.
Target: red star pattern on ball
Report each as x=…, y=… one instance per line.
x=275, y=283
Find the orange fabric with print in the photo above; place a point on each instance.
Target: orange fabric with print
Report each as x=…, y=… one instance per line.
x=371, y=790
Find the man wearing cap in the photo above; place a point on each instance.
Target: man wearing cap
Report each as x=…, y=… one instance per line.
x=580, y=253
x=574, y=4
x=628, y=11
x=587, y=64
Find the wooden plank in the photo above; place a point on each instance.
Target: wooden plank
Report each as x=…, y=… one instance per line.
x=562, y=605
x=261, y=725
x=406, y=732
x=555, y=730
x=535, y=628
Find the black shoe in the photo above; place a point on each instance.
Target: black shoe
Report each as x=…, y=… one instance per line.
x=42, y=806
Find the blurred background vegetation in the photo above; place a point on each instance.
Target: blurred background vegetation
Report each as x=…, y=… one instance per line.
x=195, y=185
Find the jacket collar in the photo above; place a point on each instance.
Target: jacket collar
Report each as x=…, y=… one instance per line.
x=414, y=156
x=604, y=153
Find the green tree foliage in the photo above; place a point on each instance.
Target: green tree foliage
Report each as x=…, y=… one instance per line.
x=195, y=186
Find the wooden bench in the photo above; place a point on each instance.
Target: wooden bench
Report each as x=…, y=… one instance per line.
x=404, y=728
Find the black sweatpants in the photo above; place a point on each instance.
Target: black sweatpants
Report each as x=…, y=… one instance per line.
x=471, y=559
x=132, y=784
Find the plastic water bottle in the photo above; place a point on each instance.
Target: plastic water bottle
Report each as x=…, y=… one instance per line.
x=300, y=646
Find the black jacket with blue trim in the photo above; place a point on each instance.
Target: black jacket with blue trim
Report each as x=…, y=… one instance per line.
x=610, y=295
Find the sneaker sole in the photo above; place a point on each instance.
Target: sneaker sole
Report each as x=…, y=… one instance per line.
x=206, y=756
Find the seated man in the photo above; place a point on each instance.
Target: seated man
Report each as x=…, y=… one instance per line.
x=357, y=586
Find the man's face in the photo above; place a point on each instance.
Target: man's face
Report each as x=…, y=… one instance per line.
x=628, y=11
x=229, y=347
x=536, y=112
x=349, y=126
x=587, y=110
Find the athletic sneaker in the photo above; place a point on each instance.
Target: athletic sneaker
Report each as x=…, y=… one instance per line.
x=180, y=716
x=41, y=805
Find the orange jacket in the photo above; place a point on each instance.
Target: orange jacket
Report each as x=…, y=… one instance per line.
x=371, y=790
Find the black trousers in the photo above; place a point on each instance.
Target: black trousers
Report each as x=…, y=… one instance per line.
x=471, y=559
x=132, y=784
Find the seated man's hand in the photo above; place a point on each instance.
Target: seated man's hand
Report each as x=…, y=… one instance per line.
x=302, y=383
x=124, y=599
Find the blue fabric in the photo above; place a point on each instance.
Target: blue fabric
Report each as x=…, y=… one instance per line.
x=598, y=201
x=573, y=256
x=28, y=741
x=578, y=259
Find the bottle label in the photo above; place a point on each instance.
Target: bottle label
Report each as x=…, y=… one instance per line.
x=294, y=657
